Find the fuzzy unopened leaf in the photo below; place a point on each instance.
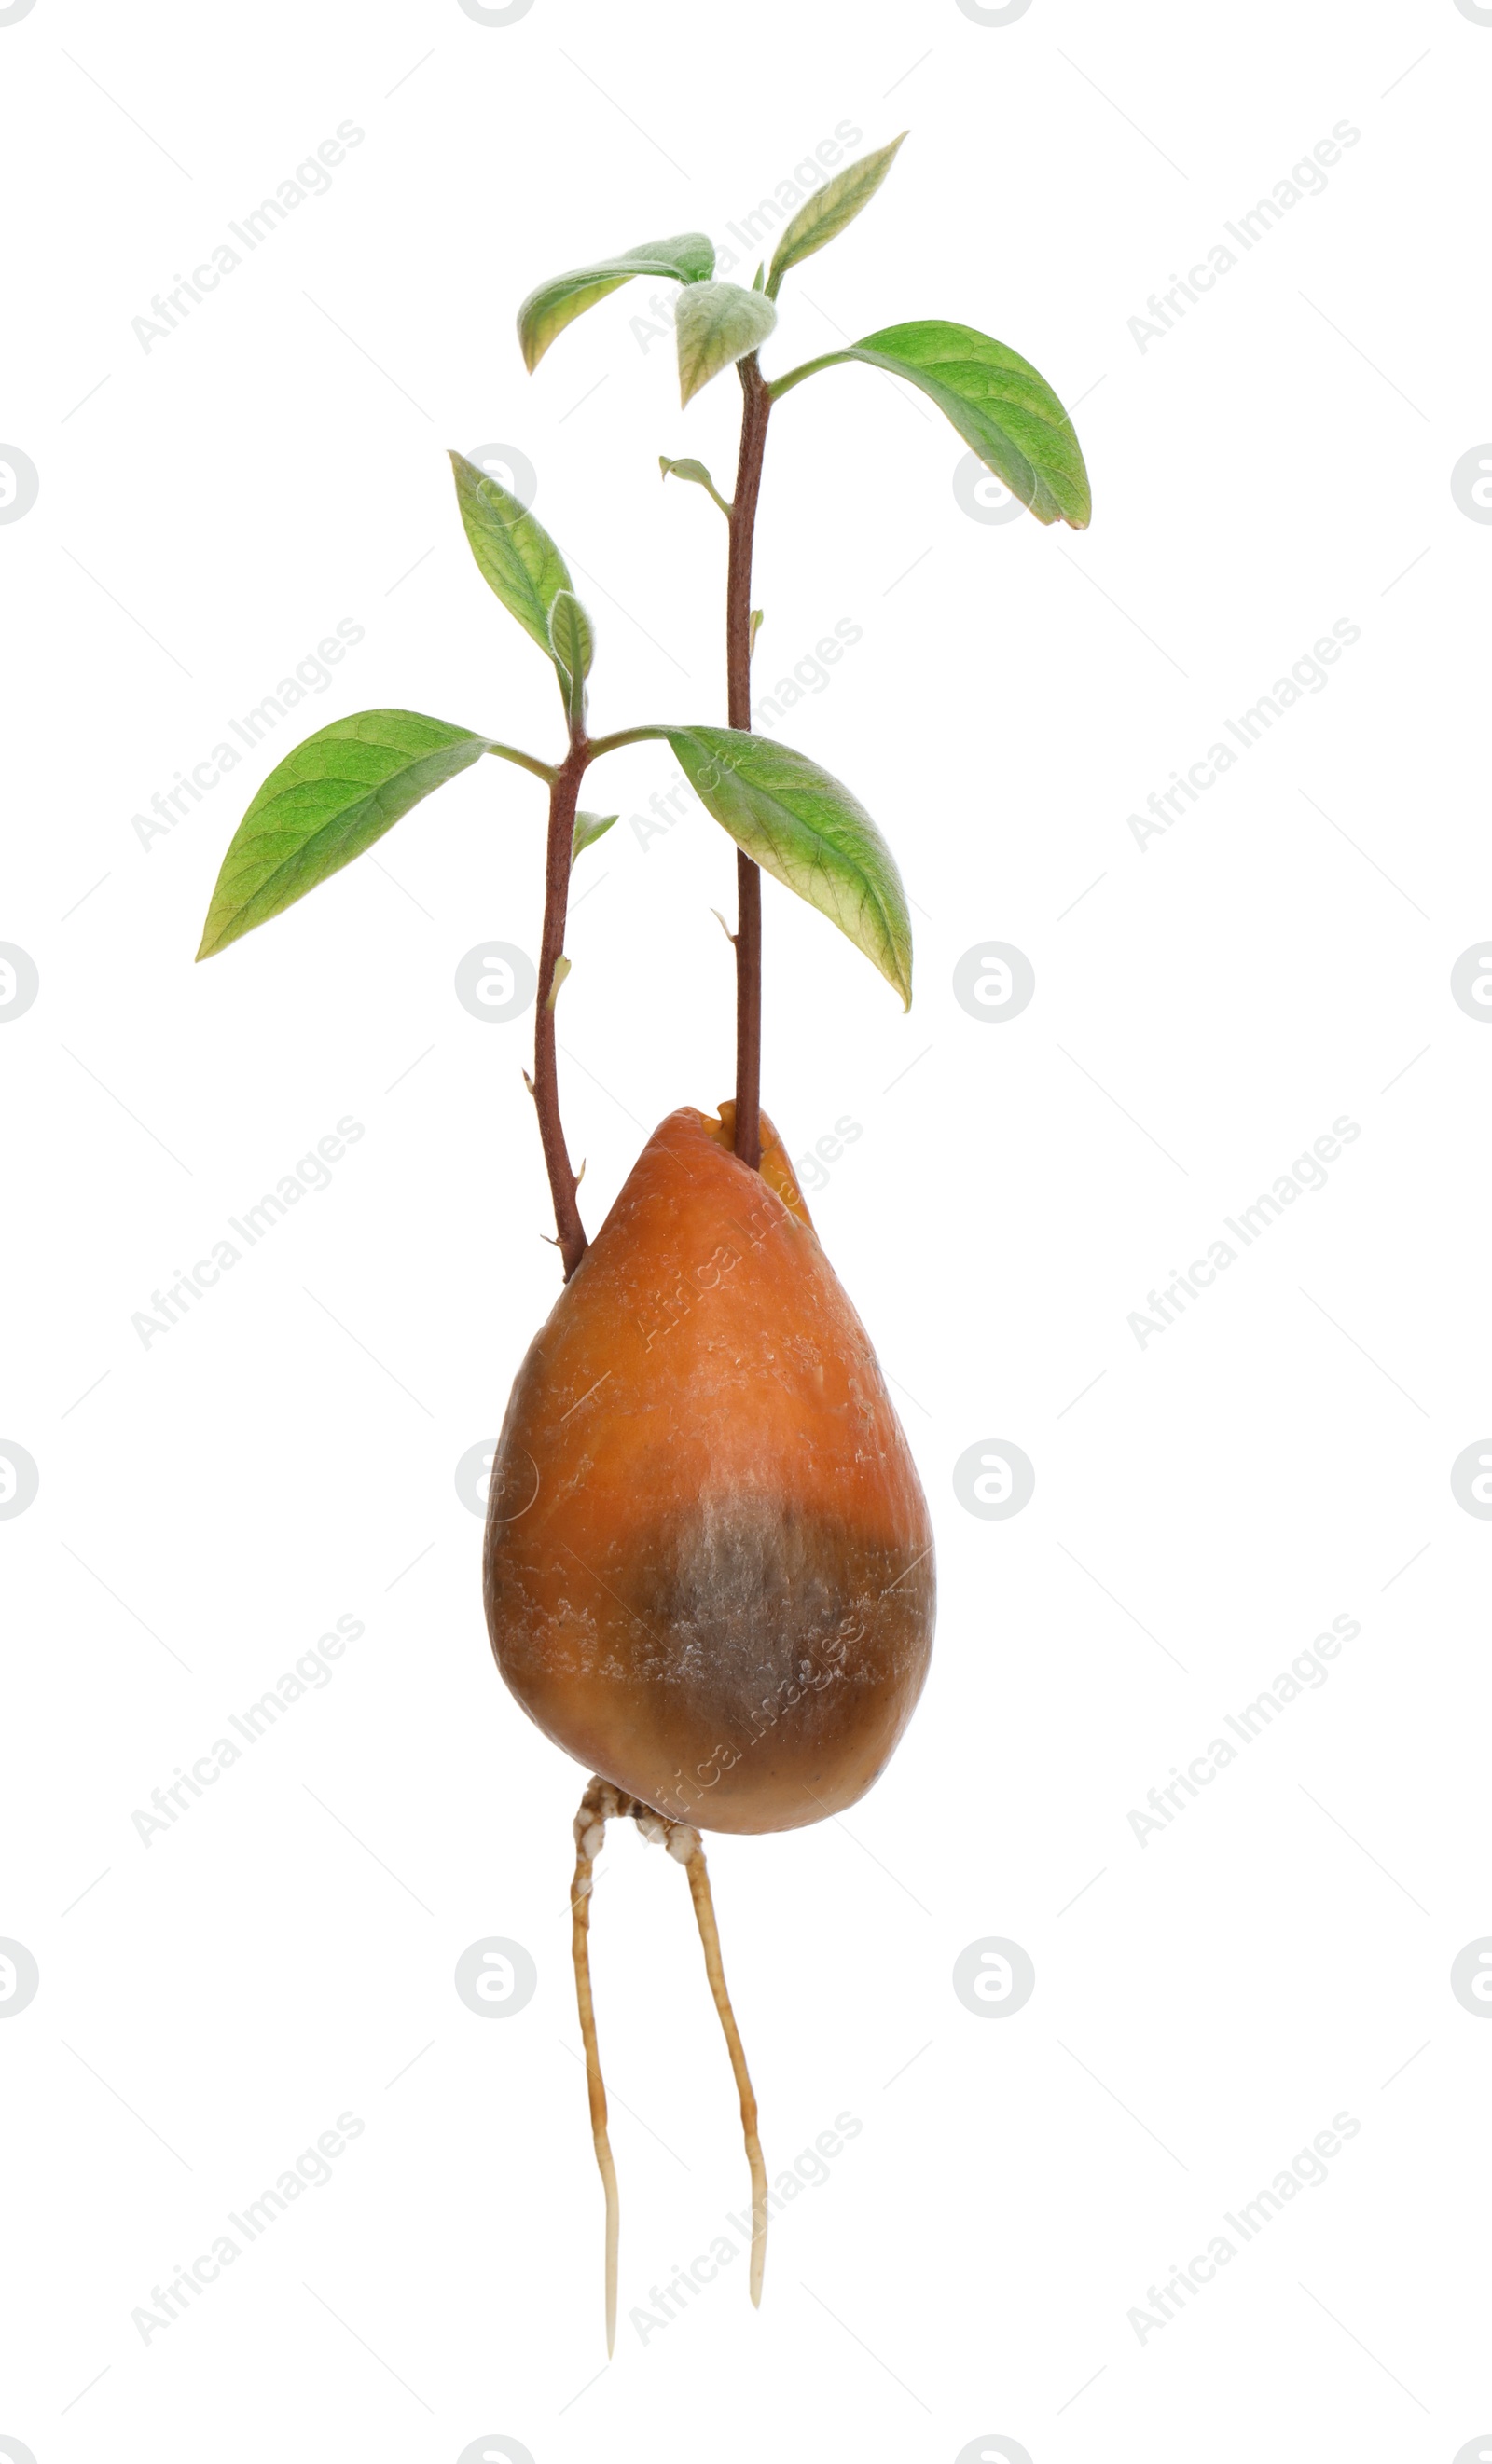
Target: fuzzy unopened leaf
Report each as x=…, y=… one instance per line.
x=688, y=257
x=327, y=801
x=801, y=825
x=718, y=323
x=830, y=209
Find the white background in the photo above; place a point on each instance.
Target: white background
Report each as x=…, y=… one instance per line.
x=208, y=511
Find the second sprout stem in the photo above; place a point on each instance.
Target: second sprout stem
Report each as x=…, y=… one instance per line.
x=755, y=408
x=563, y=795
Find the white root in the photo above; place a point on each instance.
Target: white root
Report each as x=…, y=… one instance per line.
x=600, y=1804
x=591, y=1828
x=685, y=1844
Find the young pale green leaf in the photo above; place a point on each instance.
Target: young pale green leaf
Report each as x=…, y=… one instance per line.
x=689, y=469
x=571, y=641
x=515, y=555
x=999, y=404
x=717, y=323
x=800, y=825
x=327, y=801
x=571, y=647
x=589, y=828
x=690, y=257
x=829, y=210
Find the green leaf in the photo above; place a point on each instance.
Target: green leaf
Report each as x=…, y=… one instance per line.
x=718, y=323
x=572, y=640
x=589, y=828
x=688, y=469
x=572, y=646
x=829, y=210
x=327, y=801
x=800, y=825
x=690, y=257
x=515, y=555
x=997, y=402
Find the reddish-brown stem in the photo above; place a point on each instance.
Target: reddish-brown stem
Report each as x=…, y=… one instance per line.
x=755, y=406
x=563, y=794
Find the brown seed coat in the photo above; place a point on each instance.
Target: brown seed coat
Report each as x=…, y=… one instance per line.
x=708, y=1567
